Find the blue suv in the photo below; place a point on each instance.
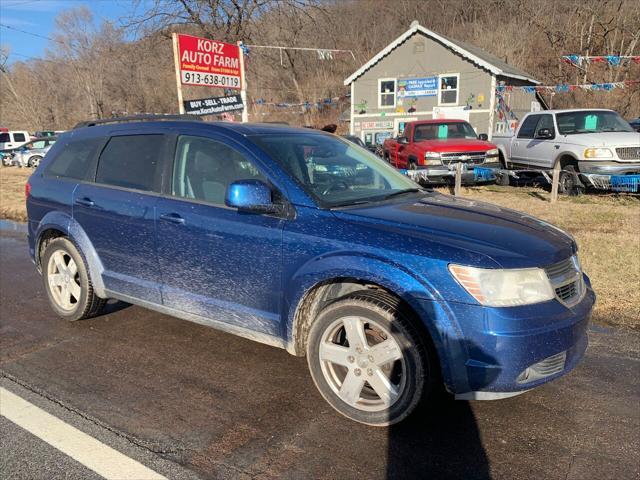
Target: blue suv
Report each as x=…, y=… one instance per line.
x=308, y=242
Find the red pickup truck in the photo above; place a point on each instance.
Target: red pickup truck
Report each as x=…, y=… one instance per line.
x=435, y=147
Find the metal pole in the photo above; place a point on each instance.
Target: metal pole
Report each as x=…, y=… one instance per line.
x=554, y=182
x=176, y=61
x=458, y=184
x=243, y=85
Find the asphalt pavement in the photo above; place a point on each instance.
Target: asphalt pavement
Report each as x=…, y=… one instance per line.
x=186, y=401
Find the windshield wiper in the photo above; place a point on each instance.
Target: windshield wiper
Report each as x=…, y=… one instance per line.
x=401, y=192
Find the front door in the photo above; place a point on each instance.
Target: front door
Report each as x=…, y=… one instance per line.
x=521, y=145
x=217, y=262
x=118, y=213
x=543, y=151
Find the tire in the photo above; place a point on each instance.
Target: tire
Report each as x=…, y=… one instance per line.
x=67, y=283
x=568, y=184
x=34, y=161
x=412, y=165
x=370, y=318
x=503, y=179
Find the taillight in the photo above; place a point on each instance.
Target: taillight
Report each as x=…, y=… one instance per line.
x=27, y=190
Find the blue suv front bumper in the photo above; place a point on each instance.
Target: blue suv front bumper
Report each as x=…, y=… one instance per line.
x=502, y=352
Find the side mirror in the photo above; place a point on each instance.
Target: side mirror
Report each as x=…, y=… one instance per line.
x=544, y=133
x=250, y=196
x=484, y=137
x=403, y=140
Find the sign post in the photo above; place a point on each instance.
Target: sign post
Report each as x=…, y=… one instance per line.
x=208, y=63
x=243, y=91
x=176, y=61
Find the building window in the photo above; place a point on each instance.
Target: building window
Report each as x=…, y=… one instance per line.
x=387, y=93
x=448, y=89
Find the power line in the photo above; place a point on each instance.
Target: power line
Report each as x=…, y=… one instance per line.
x=30, y=33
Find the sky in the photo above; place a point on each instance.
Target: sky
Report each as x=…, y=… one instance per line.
x=36, y=18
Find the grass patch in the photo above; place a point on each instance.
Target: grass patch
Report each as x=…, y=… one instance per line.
x=12, y=181
x=606, y=227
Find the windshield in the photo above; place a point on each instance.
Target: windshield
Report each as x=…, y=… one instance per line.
x=333, y=171
x=591, y=121
x=443, y=131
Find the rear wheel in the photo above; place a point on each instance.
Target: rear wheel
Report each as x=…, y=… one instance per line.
x=367, y=360
x=67, y=282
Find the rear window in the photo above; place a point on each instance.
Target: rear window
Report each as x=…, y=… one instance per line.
x=131, y=161
x=75, y=160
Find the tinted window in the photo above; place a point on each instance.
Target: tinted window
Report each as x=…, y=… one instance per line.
x=546, y=121
x=203, y=169
x=19, y=137
x=75, y=160
x=131, y=161
x=4, y=137
x=528, y=126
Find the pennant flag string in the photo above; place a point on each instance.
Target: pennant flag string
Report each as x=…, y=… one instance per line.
x=564, y=88
x=612, y=60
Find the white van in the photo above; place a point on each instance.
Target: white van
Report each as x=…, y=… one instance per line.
x=13, y=139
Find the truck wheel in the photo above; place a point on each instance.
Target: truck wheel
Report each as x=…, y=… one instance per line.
x=569, y=184
x=367, y=360
x=502, y=179
x=412, y=164
x=35, y=161
x=67, y=283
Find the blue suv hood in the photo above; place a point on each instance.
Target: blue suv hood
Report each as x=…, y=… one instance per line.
x=511, y=239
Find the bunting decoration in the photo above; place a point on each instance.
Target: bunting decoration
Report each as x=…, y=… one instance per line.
x=612, y=60
x=564, y=88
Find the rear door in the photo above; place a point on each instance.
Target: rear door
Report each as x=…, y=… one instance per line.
x=521, y=145
x=217, y=262
x=117, y=212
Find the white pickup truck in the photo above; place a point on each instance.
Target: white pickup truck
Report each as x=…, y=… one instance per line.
x=590, y=144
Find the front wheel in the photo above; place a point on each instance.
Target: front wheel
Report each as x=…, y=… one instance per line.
x=367, y=359
x=35, y=161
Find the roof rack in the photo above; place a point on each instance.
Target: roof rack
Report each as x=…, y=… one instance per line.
x=137, y=118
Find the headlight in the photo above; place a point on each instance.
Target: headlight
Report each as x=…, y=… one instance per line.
x=492, y=153
x=598, y=153
x=504, y=288
x=432, y=158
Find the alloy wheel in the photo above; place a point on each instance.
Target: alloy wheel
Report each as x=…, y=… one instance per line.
x=63, y=280
x=362, y=363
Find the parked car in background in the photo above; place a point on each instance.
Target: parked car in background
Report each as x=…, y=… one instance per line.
x=635, y=124
x=294, y=238
x=12, y=139
x=584, y=142
x=31, y=153
x=436, y=146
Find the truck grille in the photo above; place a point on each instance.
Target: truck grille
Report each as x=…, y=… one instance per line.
x=463, y=157
x=566, y=280
x=628, y=153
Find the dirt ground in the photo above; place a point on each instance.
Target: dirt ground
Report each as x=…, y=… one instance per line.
x=606, y=227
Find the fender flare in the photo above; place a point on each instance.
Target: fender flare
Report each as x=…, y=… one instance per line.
x=72, y=229
x=423, y=298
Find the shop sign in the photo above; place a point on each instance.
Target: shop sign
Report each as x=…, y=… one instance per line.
x=377, y=125
x=418, y=87
x=213, y=105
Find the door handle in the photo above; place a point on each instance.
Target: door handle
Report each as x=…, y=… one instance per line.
x=87, y=202
x=172, y=217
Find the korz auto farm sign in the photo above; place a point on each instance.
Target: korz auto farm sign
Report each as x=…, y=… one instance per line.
x=208, y=63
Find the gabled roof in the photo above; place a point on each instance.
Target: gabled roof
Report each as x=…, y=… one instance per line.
x=472, y=53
